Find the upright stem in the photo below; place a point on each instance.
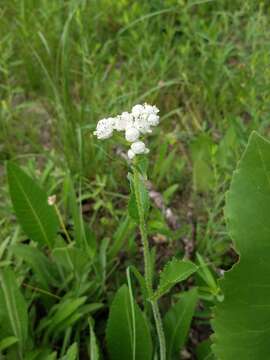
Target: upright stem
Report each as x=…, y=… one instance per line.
x=147, y=264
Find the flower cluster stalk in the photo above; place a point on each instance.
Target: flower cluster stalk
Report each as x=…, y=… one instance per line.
x=147, y=264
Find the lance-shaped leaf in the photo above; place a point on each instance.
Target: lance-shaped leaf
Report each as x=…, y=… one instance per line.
x=128, y=335
x=174, y=272
x=177, y=322
x=13, y=308
x=37, y=218
x=241, y=321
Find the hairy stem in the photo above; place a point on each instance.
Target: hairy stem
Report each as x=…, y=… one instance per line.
x=147, y=263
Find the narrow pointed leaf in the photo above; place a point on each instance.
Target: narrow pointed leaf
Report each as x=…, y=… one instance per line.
x=93, y=349
x=14, y=306
x=177, y=322
x=7, y=342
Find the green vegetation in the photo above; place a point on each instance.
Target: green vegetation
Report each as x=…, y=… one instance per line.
x=66, y=268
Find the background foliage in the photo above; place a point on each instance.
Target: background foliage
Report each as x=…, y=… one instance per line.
x=63, y=66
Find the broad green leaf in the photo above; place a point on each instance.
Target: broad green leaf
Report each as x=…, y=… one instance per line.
x=93, y=348
x=37, y=218
x=7, y=342
x=42, y=267
x=14, y=306
x=120, y=335
x=174, y=272
x=241, y=321
x=177, y=322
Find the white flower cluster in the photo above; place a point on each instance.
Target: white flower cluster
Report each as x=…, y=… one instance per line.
x=139, y=121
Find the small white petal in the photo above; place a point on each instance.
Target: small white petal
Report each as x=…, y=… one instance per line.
x=130, y=154
x=132, y=134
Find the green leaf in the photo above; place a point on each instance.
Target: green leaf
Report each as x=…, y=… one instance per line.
x=120, y=334
x=94, y=351
x=71, y=258
x=204, y=351
x=7, y=342
x=62, y=314
x=72, y=353
x=126, y=225
x=14, y=307
x=203, y=176
x=177, y=322
x=139, y=198
x=42, y=267
x=37, y=218
x=241, y=321
x=174, y=272
x=83, y=235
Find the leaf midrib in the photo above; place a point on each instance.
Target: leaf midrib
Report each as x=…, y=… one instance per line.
x=33, y=210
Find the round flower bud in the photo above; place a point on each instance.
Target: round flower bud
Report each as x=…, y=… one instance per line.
x=138, y=147
x=132, y=134
x=137, y=110
x=130, y=154
x=153, y=119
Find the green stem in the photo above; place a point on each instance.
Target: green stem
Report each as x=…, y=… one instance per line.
x=147, y=264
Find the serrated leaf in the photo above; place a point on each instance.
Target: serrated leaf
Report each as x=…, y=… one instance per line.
x=38, y=219
x=42, y=267
x=204, y=351
x=14, y=307
x=241, y=321
x=174, y=272
x=177, y=322
x=120, y=335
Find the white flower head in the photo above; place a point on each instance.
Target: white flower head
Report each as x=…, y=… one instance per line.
x=139, y=121
x=105, y=128
x=123, y=121
x=137, y=110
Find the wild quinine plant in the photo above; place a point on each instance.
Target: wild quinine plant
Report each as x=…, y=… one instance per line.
x=139, y=122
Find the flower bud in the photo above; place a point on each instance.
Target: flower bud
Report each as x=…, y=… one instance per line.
x=130, y=154
x=138, y=147
x=132, y=134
